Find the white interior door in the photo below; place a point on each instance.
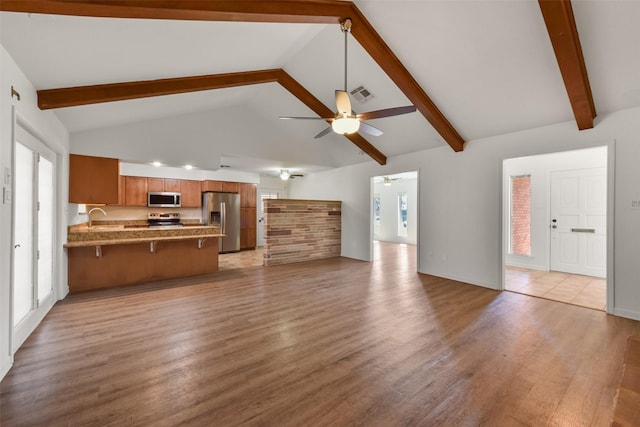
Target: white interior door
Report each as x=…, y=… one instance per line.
x=33, y=234
x=578, y=221
x=264, y=194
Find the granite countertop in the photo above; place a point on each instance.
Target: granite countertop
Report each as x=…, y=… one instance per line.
x=114, y=234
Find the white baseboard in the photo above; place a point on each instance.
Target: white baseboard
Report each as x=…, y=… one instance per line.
x=5, y=368
x=463, y=280
x=629, y=314
x=65, y=292
x=525, y=265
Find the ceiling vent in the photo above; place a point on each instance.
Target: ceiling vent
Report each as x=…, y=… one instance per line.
x=362, y=94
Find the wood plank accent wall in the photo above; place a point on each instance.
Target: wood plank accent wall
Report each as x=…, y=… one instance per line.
x=301, y=230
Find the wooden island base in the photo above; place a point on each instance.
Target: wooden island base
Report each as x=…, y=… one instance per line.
x=127, y=264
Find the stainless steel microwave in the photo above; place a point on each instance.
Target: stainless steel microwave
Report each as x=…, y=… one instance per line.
x=163, y=199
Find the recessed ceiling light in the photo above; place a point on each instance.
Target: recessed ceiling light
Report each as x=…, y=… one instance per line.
x=188, y=167
x=156, y=164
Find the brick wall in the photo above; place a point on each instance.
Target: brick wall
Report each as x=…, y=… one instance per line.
x=301, y=230
x=521, y=215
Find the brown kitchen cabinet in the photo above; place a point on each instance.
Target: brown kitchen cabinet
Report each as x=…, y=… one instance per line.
x=247, y=195
x=247, y=228
x=93, y=180
x=164, y=184
x=191, y=193
x=135, y=190
x=209, y=185
x=229, y=187
x=121, y=192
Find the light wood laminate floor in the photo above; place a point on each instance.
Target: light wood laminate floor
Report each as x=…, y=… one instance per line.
x=585, y=291
x=331, y=342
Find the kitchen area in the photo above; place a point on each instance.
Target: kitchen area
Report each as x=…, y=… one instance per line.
x=133, y=229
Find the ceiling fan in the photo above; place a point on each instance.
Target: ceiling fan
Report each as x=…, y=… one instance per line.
x=346, y=121
x=388, y=180
x=285, y=174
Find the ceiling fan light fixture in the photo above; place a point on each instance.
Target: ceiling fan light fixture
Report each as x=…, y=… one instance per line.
x=345, y=125
x=284, y=174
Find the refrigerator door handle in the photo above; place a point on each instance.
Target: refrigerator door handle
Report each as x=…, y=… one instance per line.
x=223, y=217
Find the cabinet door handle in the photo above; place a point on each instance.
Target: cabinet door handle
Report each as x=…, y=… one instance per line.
x=16, y=246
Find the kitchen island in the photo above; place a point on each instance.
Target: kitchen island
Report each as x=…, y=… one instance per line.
x=113, y=255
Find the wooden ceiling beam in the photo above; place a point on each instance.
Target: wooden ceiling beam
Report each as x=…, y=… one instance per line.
x=561, y=26
x=287, y=11
x=291, y=11
x=96, y=94
x=371, y=41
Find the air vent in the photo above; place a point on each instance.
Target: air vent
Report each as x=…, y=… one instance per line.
x=362, y=94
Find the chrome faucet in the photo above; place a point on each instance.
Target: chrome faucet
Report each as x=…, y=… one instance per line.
x=89, y=214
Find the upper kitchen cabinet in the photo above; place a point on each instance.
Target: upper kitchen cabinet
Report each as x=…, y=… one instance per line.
x=191, y=193
x=164, y=184
x=247, y=195
x=135, y=190
x=230, y=187
x=214, y=186
x=93, y=180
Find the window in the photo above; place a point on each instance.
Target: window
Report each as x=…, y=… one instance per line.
x=402, y=214
x=376, y=209
x=520, y=233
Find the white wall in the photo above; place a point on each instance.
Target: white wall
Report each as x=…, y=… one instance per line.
x=133, y=169
x=387, y=230
x=52, y=132
x=199, y=139
x=540, y=168
x=460, y=201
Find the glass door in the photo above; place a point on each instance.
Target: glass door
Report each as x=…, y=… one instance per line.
x=33, y=233
x=23, y=232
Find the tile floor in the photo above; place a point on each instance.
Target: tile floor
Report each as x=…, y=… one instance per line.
x=249, y=258
x=575, y=289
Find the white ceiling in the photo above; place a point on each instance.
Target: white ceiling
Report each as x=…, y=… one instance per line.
x=488, y=65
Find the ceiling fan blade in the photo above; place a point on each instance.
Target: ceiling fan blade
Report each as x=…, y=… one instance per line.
x=343, y=103
x=378, y=114
x=323, y=133
x=371, y=130
x=307, y=118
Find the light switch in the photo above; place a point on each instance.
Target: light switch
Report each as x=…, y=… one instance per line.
x=6, y=194
x=7, y=176
x=635, y=204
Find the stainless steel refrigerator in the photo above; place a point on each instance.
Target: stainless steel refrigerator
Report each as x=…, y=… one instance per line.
x=223, y=210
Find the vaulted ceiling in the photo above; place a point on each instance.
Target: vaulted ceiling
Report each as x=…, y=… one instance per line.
x=489, y=67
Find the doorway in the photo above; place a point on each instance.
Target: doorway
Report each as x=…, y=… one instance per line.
x=555, y=226
x=33, y=233
x=263, y=194
x=394, y=213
